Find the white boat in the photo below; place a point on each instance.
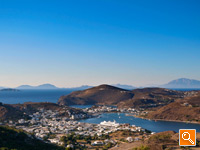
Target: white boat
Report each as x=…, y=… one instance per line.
x=109, y=123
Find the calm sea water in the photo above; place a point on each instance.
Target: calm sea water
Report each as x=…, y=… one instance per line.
x=14, y=97
x=155, y=126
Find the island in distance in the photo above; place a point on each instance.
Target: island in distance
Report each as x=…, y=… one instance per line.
x=39, y=87
x=182, y=83
x=9, y=90
x=50, y=87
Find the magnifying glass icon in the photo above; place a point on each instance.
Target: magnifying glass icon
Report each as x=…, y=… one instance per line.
x=187, y=139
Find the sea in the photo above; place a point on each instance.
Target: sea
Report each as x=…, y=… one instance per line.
x=15, y=97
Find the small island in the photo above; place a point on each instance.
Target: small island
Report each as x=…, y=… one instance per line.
x=9, y=90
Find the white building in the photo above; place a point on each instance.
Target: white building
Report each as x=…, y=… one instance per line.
x=97, y=143
x=129, y=139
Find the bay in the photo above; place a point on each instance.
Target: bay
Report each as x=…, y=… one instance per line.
x=155, y=126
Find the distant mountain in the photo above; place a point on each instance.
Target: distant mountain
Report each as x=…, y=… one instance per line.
x=39, y=87
x=24, y=87
x=182, y=83
x=123, y=86
x=47, y=86
x=50, y=86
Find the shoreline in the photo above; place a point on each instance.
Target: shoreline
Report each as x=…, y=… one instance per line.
x=188, y=122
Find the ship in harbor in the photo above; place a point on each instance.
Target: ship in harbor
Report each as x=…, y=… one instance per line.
x=110, y=123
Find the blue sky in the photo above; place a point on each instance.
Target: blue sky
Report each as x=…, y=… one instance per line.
x=71, y=43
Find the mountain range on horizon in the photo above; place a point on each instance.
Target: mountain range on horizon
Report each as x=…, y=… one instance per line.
x=2, y=87
x=51, y=86
x=124, y=86
x=43, y=86
x=182, y=83
x=178, y=83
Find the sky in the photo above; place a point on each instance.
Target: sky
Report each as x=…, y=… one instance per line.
x=70, y=43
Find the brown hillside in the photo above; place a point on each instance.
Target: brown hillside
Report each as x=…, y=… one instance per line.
x=19, y=111
x=152, y=97
x=109, y=95
x=162, y=140
x=103, y=94
x=8, y=112
x=31, y=107
x=187, y=109
x=165, y=140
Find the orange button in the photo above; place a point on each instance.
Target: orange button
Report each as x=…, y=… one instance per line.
x=187, y=137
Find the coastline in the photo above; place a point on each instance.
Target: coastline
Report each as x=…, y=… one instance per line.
x=191, y=122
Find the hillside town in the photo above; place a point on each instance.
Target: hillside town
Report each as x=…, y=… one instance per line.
x=48, y=126
x=109, y=109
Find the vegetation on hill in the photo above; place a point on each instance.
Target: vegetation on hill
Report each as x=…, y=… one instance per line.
x=8, y=112
x=164, y=140
x=15, y=139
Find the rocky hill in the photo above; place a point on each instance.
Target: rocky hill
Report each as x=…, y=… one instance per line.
x=103, y=94
x=187, y=109
x=110, y=95
x=151, y=97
